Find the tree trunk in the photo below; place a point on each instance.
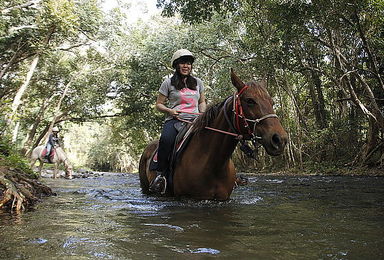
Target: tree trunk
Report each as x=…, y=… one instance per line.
x=17, y=100
x=9, y=64
x=321, y=115
x=31, y=134
x=20, y=92
x=15, y=132
x=371, y=143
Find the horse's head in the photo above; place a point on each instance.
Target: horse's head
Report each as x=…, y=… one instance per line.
x=255, y=117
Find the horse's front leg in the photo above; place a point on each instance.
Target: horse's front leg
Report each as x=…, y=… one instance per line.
x=33, y=163
x=68, y=173
x=40, y=167
x=55, y=171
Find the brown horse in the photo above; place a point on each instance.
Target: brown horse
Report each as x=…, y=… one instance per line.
x=205, y=169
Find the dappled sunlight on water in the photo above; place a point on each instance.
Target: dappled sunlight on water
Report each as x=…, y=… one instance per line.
x=272, y=217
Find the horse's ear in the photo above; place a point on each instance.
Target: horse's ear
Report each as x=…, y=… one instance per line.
x=236, y=81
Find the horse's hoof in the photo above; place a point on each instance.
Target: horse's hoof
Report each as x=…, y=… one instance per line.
x=69, y=177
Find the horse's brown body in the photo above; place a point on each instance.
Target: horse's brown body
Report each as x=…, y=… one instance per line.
x=205, y=169
x=207, y=172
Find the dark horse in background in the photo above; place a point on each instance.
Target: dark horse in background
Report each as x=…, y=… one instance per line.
x=205, y=170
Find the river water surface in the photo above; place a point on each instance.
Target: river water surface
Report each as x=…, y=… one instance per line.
x=273, y=217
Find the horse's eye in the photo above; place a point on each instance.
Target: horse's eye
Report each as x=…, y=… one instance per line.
x=250, y=102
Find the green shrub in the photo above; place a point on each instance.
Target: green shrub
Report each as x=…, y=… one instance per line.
x=9, y=157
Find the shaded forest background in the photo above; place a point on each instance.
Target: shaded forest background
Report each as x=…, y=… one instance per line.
x=88, y=70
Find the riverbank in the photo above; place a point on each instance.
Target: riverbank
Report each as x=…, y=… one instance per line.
x=20, y=190
x=19, y=185
x=336, y=171
x=325, y=168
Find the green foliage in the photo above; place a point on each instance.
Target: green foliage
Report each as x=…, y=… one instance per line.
x=196, y=10
x=108, y=150
x=59, y=14
x=9, y=157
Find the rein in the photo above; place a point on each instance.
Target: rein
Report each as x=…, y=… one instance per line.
x=207, y=127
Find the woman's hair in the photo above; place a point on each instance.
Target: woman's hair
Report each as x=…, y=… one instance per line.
x=177, y=81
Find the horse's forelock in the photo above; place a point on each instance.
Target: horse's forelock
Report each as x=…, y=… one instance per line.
x=259, y=85
x=260, y=88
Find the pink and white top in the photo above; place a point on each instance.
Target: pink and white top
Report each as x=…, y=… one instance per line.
x=182, y=100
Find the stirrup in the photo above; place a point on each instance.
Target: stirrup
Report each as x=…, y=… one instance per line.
x=155, y=182
x=165, y=185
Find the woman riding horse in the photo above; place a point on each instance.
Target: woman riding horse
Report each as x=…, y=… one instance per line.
x=184, y=93
x=59, y=157
x=53, y=141
x=204, y=170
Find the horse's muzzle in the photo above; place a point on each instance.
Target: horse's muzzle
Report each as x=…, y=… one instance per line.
x=275, y=144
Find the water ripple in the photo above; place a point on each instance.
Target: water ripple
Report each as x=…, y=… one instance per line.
x=205, y=251
x=177, y=228
x=251, y=201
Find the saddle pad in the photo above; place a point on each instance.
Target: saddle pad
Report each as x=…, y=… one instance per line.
x=184, y=133
x=44, y=153
x=153, y=163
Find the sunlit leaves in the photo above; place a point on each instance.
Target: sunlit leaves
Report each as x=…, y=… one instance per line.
x=196, y=10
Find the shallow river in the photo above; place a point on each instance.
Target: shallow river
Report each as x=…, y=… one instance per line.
x=271, y=218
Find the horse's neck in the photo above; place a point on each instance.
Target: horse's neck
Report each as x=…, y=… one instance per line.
x=218, y=146
x=61, y=156
x=65, y=160
x=66, y=163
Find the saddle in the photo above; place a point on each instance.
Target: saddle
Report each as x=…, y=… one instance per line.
x=50, y=157
x=181, y=142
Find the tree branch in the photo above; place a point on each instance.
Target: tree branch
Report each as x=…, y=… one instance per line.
x=21, y=6
x=72, y=46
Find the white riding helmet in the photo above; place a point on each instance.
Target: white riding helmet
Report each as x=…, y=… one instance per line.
x=55, y=129
x=181, y=53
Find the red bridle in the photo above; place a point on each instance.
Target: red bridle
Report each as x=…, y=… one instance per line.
x=239, y=116
x=238, y=111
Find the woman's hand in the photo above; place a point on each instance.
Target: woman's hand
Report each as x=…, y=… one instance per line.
x=173, y=112
x=160, y=105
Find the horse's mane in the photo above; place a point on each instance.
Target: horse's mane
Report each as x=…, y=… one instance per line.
x=208, y=116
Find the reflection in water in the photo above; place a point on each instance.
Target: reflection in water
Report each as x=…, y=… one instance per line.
x=271, y=218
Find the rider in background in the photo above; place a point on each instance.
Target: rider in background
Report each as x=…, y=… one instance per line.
x=53, y=141
x=183, y=93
